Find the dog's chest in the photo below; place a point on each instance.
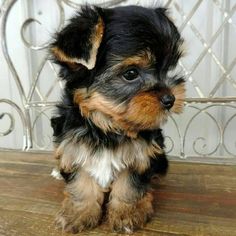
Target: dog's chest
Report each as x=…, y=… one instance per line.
x=104, y=165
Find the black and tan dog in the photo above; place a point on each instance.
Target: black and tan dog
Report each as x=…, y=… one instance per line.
x=118, y=91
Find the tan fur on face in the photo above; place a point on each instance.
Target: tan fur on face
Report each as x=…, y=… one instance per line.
x=104, y=122
x=143, y=112
x=98, y=109
x=143, y=59
x=95, y=106
x=95, y=101
x=179, y=93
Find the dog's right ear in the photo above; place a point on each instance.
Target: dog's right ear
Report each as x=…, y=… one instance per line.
x=78, y=42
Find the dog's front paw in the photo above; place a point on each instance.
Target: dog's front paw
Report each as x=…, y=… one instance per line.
x=125, y=217
x=75, y=219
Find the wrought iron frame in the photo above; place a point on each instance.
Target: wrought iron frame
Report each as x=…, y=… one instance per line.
x=27, y=103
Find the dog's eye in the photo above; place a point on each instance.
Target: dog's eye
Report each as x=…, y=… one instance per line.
x=131, y=74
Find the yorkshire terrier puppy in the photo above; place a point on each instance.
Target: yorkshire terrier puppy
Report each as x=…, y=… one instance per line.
x=118, y=92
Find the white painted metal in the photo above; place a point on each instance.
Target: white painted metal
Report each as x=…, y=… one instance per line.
x=29, y=81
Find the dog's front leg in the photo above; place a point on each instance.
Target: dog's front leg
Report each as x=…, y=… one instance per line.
x=81, y=208
x=130, y=205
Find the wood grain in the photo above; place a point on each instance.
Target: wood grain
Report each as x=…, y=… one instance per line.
x=194, y=199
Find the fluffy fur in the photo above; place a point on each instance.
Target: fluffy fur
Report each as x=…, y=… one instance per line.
x=117, y=94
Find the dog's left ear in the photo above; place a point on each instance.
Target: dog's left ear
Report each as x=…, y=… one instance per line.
x=78, y=42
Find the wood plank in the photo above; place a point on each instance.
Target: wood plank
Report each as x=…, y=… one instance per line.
x=17, y=223
x=31, y=187
x=27, y=157
x=194, y=199
x=191, y=224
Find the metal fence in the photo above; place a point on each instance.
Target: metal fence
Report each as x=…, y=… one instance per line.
x=206, y=131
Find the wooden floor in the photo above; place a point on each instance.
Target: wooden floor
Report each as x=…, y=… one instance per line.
x=193, y=199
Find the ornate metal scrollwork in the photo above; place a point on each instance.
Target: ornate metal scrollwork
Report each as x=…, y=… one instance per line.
x=186, y=141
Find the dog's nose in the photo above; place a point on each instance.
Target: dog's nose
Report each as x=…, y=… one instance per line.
x=167, y=101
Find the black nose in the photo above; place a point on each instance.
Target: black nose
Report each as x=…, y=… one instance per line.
x=167, y=101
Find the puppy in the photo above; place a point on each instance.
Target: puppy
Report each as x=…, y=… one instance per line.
x=117, y=94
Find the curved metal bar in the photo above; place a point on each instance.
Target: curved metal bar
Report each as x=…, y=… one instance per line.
x=172, y=144
x=47, y=143
x=46, y=58
x=225, y=127
x=217, y=100
x=32, y=20
x=104, y=4
x=23, y=120
x=200, y=111
x=35, y=81
x=34, y=84
x=41, y=105
x=212, y=40
x=23, y=30
x=6, y=7
x=180, y=138
x=12, y=124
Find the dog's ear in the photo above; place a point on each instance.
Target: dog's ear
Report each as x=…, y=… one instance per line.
x=78, y=42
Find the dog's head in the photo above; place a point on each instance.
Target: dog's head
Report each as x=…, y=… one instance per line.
x=116, y=65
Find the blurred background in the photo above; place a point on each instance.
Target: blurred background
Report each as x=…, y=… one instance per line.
x=30, y=87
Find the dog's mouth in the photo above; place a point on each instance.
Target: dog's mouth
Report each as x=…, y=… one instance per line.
x=145, y=111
